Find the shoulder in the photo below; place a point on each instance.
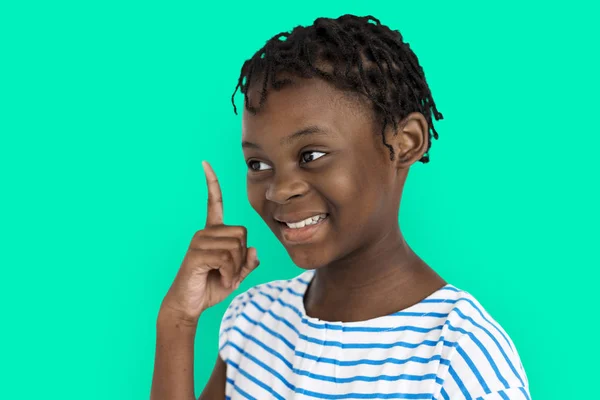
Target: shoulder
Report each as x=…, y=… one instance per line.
x=482, y=359
x=250, y=306
x=266, y=294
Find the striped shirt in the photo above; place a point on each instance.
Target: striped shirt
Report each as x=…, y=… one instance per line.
x=444, y=347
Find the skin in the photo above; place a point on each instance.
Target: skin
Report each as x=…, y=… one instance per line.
x=364, y=267
x=361, y=258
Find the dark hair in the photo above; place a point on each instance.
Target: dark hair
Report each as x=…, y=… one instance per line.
x=355, y=53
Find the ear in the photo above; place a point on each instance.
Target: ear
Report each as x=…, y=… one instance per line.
x=411, y=140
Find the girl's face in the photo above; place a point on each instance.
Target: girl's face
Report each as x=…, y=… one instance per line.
x=312, y=152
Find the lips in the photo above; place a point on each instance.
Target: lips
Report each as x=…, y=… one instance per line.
x=305, y=234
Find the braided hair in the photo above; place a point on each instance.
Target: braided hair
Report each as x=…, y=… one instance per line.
x=350, y=52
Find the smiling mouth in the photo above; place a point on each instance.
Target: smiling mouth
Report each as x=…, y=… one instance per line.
x=302, y=231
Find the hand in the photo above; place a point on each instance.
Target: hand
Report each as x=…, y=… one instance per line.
x=216, y=262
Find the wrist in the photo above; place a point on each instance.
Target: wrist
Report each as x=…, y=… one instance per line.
x=169, y=316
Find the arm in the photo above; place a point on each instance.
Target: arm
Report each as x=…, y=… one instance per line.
x=215, y=388
x=174, y=363
x=216, y=262
x=173, y=377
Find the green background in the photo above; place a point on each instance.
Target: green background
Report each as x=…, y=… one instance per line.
x=108, y=109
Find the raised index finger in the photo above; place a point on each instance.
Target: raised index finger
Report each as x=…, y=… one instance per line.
x=214, y=215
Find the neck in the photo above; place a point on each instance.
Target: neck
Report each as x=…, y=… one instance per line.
x=383, y=277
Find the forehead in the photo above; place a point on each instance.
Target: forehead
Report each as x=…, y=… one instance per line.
x=308, y=102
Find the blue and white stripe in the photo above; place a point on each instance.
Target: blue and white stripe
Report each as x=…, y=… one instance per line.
x=445, y=347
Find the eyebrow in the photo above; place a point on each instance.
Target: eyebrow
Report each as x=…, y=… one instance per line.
x=309, y=130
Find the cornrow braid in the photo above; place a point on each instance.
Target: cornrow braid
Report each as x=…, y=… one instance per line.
x=356, y=53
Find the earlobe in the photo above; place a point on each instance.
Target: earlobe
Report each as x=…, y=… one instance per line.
x=411, y=141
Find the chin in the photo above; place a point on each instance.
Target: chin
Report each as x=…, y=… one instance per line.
x=309, y=258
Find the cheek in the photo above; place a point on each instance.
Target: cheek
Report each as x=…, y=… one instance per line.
x=359, y=195
x=338, y=185
x=355, y=181
x=349, y=190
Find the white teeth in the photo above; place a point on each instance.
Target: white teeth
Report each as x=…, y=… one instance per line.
x=307, y=221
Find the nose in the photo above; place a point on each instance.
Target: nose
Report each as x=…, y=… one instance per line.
x=285, y=187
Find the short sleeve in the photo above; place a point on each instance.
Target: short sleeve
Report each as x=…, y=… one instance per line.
x=228, y=321
x=483, y=363
x=515, y=393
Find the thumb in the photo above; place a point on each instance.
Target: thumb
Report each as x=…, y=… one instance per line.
x=251, y=263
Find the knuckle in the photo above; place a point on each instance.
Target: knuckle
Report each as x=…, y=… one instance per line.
x=225, y=256
x=199, y=234
x=234, y=243
x=194, y=252
x=194, y=256
x=240, y=231
x=216, y=199
x=238, y=245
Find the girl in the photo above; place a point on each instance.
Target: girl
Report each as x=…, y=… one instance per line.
x=334, y=116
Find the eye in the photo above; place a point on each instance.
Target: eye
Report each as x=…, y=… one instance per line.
x=255, y=165
x=309, y=156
